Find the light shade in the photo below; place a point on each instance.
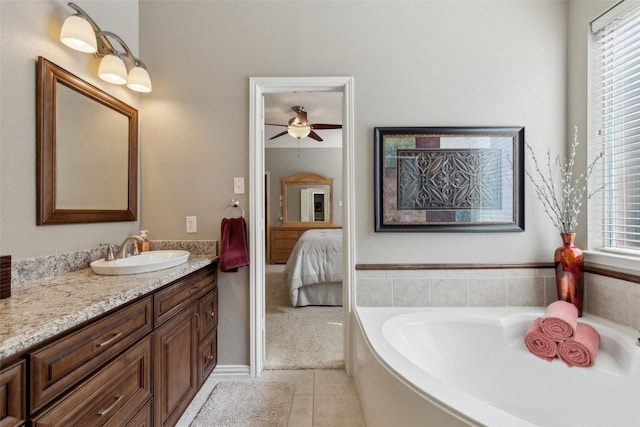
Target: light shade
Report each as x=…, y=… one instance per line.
x=298, y=131
x=78, y=34
x=139, y=80
x=112, y=70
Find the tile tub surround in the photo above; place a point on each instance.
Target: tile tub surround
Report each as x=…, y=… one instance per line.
x=614, y=299
x=32, y=269
x=41, y=309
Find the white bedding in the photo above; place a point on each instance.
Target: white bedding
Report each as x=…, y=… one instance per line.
x=315, y=260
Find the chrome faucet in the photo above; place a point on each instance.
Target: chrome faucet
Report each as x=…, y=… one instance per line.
x=122, y=251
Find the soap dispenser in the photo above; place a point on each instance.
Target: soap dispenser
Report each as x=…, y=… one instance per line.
x=144, y=246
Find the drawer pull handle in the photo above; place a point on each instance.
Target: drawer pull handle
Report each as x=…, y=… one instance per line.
x=212, y=313
x=110, y=340
x=210, y=357
x=194, y=289
x=103, y=412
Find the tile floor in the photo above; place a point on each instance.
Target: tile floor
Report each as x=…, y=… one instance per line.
x=321, y=398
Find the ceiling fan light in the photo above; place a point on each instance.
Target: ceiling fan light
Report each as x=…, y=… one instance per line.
x=78, y=34
x=113, y=70
x=139, y=80
x=299, y=131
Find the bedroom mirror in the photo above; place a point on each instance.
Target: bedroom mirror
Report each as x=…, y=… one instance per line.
x=86, y=153
x=307, y=198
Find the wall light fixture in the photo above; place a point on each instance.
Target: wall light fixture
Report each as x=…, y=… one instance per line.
x=81, y=33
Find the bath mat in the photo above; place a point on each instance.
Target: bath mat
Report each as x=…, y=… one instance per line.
x=246, y=404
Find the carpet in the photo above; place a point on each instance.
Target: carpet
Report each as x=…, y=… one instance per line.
x=246, y=403
x=299, y=337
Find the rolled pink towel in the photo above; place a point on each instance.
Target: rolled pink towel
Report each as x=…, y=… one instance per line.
x=560, y=320
x=582, y=349
x=539, y=343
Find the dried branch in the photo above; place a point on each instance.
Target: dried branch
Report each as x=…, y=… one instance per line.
x=563, y=208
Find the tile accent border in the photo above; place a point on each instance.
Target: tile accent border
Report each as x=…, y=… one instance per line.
x=607, y=294
x=455, y=287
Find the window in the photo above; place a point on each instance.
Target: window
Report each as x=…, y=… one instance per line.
x=616, y=117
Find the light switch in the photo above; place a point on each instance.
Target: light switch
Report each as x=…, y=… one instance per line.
x=238, y=185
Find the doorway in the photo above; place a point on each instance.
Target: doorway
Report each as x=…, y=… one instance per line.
x=259, y=87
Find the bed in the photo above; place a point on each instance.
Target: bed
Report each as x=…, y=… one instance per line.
x=314, y=269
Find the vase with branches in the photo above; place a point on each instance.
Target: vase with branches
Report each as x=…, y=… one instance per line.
x=563, y=204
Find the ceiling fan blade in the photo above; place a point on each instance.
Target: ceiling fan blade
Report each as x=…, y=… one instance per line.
x=278, y=135
x=275, y=124
x=315, y=136
x=325, y=126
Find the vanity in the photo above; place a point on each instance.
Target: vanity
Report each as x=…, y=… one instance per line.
x=307, y=203
x=85, y=349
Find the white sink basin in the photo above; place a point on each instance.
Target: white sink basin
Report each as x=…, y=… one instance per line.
x=143, y=263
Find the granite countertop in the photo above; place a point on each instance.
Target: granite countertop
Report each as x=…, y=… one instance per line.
x=41, y=309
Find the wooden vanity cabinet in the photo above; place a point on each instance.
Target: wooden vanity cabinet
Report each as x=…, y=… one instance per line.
x=177, y=343
x=136, y=366
x=13, y=391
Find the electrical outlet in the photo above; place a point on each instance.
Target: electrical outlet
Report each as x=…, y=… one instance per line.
x=192, y=224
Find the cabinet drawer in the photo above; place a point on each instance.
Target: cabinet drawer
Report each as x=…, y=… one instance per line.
x=207, y=357
x=208, y=313
x=286, y=234
x=13, y=400
x=144, y=417
x=284, y=244
x=172, y=299
x=59, y=365
x=111, y=397
x=281, y=256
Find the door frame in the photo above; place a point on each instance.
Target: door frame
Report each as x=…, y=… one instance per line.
x=259, y=86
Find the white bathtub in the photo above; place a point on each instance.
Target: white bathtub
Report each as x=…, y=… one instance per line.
x=469, y=366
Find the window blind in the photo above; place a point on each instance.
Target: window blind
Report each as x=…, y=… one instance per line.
x=617, y=116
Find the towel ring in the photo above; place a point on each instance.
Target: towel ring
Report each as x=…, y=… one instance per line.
x=235, y=203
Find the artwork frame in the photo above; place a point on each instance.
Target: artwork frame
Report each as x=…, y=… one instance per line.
x=449, y=179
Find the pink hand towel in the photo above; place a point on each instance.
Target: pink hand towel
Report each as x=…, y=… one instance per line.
x=560, y=320
x=582, y=349
x=539, y=343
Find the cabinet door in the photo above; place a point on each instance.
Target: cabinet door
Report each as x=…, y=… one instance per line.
x=13, y=408
x=175, y=366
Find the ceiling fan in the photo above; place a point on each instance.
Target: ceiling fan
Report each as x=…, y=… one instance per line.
x=299, y=127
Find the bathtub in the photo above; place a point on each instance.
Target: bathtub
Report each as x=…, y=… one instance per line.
x=469, y=366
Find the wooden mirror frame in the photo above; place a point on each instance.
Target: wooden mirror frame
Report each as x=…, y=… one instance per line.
x=308, y=178
x=48, y=75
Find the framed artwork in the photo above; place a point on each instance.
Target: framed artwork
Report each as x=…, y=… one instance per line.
x=449, y=179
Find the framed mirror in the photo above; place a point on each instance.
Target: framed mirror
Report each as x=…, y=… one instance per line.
x=86, y=151
x=307, y=199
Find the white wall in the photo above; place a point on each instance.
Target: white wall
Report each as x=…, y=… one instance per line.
x=426, y=63
x=29, y=29
x=415, y=64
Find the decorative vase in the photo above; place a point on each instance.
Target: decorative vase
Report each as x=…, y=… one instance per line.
x=569, y=266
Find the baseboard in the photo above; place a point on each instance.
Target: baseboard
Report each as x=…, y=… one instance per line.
x=221, y=372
